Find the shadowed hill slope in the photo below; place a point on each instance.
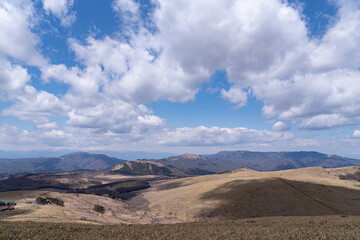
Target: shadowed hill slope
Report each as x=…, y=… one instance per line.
x=280, y=197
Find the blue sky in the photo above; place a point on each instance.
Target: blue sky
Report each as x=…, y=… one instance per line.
x=130, y=77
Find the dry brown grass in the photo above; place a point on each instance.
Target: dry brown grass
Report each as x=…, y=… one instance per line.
x=325, y=227
x=16, y=196
x=106, y=178
x=77, y=207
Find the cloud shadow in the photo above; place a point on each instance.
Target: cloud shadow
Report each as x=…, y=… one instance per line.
x=279, y=197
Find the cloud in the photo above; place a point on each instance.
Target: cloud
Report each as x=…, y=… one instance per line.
x=12, y=138
x=215, y=136
x=311, y=81
x=61, y=9
x=280, y=127
x=336, y=48
x=318, y=101
x=356, y=133
x=246, y=38
x=83, y=138
x=235, y=95
x=262, y=45
x=89, y=105
x=114, y=116
x=13, y=79
x=129, y=13
x=126, y=7
x=27, y=103
x=35, y=106
x=173, y=62
x=50, y=125
x=132, y=70
x=17, y=18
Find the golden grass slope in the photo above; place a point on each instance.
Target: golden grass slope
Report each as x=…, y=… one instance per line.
x=246, y=193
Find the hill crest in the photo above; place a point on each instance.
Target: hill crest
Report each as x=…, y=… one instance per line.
x=144, y=167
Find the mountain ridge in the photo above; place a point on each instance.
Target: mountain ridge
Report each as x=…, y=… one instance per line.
x=185, y=164
x=259, y=161
x=68, y=162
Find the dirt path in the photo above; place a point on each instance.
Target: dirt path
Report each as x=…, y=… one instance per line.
x=307, y=195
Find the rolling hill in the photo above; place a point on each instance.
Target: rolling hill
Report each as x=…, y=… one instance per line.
x=235, y=195
x=245, y=193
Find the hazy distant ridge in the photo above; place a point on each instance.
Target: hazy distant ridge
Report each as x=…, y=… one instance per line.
x=186, y=164
x=68, y=162
x=260, y=161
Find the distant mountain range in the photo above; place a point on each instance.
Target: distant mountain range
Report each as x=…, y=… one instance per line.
x=260, y=161
x=270, y=161
x=186, y=164
x=69, y=162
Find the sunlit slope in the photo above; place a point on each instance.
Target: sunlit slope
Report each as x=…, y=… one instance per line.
x=246, y=193
x=77, y=208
